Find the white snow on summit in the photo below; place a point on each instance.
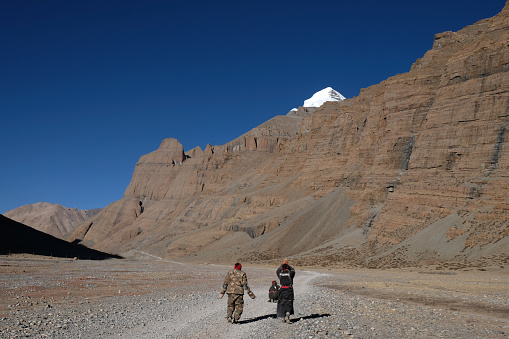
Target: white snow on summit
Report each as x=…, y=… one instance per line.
x=326, y=94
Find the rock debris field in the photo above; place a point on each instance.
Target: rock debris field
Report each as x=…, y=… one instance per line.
x=63, y=298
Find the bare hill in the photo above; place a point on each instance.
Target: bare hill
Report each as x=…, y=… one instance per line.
x=412, y=171
x=53, y=219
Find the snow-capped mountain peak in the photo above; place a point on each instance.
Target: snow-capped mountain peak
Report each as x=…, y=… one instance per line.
x=326, y=94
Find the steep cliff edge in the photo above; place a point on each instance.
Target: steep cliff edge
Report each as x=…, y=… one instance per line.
x=411, y=171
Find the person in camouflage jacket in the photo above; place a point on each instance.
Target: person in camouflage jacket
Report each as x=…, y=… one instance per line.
x=234, y=285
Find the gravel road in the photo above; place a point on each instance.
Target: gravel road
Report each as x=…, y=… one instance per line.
x=156, y=299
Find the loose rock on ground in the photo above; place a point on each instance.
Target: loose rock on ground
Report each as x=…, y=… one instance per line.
x=157, y=299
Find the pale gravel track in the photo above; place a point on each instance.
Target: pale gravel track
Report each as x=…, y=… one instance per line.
x=209, y=319
x=184, y=303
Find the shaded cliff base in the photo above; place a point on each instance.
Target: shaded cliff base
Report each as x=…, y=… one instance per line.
x=18, y=238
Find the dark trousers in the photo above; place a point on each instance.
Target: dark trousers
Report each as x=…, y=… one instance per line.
x=285, y=302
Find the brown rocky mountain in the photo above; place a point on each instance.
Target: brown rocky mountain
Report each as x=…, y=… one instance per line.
x=53, y=219
x=411, y=171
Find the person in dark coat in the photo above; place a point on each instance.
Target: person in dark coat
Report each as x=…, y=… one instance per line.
x=273, y=292
x=285, y=273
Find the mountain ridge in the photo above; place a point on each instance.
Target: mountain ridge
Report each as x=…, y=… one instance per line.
x=53, y=219
x=324, y=95
x=409, y=172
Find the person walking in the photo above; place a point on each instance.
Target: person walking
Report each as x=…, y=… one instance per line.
x=285, y=273
x=234, y=285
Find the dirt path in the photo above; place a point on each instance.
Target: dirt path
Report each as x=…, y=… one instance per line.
x=208, y=320
x=146, y=299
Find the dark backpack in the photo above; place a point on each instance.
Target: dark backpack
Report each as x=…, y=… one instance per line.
x=285, y=279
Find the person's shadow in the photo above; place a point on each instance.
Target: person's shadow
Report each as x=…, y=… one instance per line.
x=274, y=316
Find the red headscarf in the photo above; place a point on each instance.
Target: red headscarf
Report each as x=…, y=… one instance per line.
x=238, y=266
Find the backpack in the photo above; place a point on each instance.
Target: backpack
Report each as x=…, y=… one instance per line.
x=285, y=278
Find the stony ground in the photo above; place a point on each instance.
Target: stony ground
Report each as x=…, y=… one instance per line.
x=60, y=298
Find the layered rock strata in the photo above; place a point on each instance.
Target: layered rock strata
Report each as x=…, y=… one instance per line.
x=411, y=171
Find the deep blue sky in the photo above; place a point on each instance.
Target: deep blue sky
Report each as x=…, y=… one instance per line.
x=87, y=87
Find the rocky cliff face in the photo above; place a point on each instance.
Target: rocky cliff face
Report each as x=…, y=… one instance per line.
x=412, y=171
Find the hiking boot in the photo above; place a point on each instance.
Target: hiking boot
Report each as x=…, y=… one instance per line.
x=287, y=318
x=235, y=321
x=229, y=319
